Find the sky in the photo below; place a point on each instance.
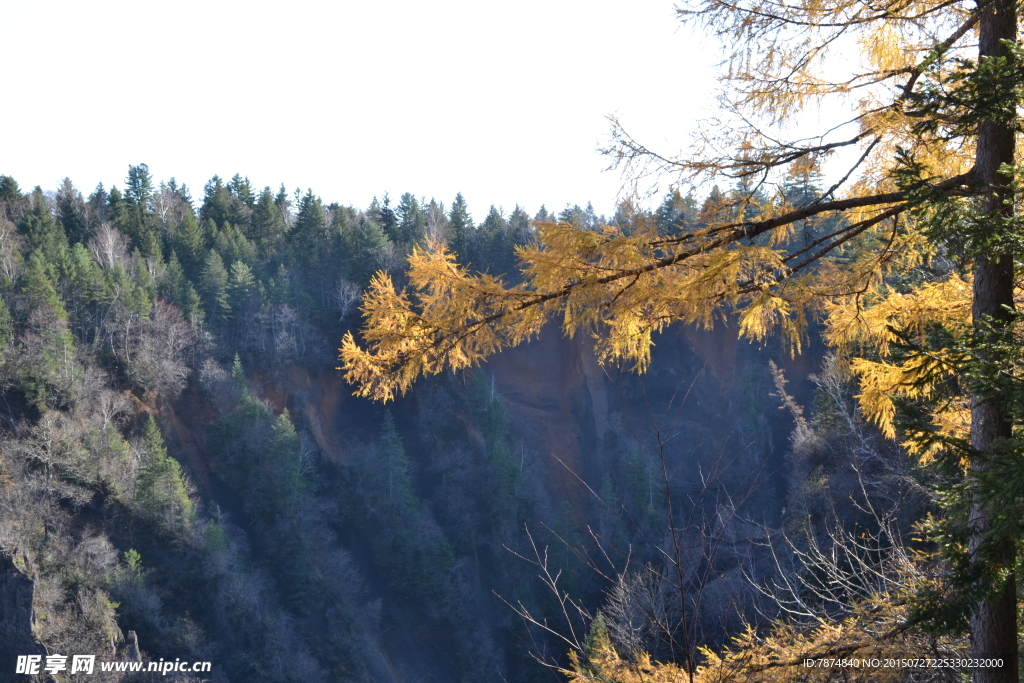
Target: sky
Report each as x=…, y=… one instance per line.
x=504, y=102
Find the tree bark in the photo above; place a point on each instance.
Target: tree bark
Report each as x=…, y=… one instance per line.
x=994, y=622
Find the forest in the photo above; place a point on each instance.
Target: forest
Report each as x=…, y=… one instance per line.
x=766, y=427
x=181, y=460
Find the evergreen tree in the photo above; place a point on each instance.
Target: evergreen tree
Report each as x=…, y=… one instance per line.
x=242, y=190
x=138, y=189
x=173, y=285
x=241, y=286
x=99, y=209
x=460, y=229
x=365, y=248
x=279, y=289
x=161, y=493
x=37, y=286
x=10, y=197
x=233, y=245
x=573, y=215
x=284, y=206
x=386, y=218
x=137, y=220
x=192, y=305
x=268, y=226
x=412, y=220
x=309, y=234
x=519, y=224
x=676, y=213
x=190, y=245
x=72, y=212
x=396, y=467
x=494, y=252
x=213, y=285
x=219, y=206
x=41, y=230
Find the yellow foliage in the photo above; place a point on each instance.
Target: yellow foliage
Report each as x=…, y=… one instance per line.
x=747, y=258
x=877, y=322
x=873, y=644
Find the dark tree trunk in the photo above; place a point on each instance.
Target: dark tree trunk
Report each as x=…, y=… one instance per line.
x=994, y=622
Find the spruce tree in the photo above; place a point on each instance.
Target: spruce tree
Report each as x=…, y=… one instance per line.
x=268, y=226
x=41, y=230
x=460, y=228
x=190, y=244
x=213, y=285
x=72, y=212
x=10, y=198
x=160, y=492
x=412, y=220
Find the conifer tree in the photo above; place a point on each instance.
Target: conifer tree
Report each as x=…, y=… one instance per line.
x=309, y=234
x=41, y=230
x=396, y=466
x=268, y=226
x=242, y=190
x=213, y=285
x=98, y=204
x=412, y=221
x=137, y=220
x=173, y=285
x=217, y=202
x=38, y=288
x=460, y=228
x=160, y=490
x=71, y=212
x=241, y=285
x=386, y=218
x=10, y=197
x=189, y=243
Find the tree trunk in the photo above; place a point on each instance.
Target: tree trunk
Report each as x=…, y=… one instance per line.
x=994, y=622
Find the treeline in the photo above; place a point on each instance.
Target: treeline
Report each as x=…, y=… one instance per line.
x=110, y=306
x=114, y=304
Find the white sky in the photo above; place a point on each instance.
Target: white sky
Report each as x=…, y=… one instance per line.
x=505, y=102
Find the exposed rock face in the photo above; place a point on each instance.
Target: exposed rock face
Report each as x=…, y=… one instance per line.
x=16, y=636
x=131, y=649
